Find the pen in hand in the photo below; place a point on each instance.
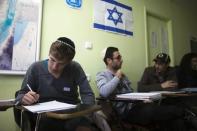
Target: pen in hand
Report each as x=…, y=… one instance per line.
x=29, y=87
x=16, y=103
x=36, y=96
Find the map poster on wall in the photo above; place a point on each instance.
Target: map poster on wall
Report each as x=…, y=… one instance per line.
x=20, y=22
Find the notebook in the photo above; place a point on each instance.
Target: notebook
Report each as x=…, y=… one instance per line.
x=140, y=96
x=49, y=106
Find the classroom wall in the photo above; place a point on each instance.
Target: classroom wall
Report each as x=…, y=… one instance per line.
x=60, y=20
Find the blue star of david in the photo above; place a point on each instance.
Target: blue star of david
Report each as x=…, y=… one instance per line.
x=115, y=12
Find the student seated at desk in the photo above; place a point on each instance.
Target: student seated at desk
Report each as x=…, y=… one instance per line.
x=159, y=77
x=187, y=78
x=113, y=81
x=187, y=71
x=58, y=78
x=162, y=77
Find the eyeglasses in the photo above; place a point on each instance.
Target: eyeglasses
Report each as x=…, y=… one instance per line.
x=119, y=57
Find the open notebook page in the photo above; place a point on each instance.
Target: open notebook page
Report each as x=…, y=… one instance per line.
x=49, y=106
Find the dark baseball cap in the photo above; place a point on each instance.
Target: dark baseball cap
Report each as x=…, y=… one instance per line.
x=162, y=58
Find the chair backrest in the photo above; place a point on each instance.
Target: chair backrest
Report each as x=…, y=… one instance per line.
x=111, y=115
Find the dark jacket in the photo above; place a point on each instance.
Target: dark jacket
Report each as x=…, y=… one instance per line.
x=187, y=79
x=150, y=81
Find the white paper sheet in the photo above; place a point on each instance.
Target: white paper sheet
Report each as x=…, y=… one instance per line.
x=49, y=106
x=140, y=96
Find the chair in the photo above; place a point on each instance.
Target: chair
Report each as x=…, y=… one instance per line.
x=93, y=111
x=99, y=121
x=115, y=122
x=27, y=122
x=26, y=118
x=109, y=113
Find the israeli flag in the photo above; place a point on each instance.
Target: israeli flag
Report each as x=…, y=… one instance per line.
x=113, y=16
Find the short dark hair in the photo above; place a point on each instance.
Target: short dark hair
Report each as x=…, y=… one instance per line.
x=63, y=48
x=109, y=53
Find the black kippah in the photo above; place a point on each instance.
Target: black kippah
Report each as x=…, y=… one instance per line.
x=67, y=42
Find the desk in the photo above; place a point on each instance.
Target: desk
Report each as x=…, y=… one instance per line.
x=181, y=99
x=5, y=104
x=178, y=94
x=109, y=114
x=80, y=110
x=164, y=94
x=113, y=117
x=116, y=99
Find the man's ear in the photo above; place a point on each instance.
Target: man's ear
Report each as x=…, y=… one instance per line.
x=109, y=60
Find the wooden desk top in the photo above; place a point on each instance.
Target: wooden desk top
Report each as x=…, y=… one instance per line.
x=178, y=94
x=5, y=104
x=116, y=99
x=80, y=110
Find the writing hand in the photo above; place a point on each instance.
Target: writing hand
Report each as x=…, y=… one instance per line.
x=169, y=84
x=30, y=98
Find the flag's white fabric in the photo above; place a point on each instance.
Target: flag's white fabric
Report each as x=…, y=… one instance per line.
x=113, y=16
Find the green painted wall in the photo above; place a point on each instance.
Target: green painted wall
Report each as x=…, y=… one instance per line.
x=61, y=20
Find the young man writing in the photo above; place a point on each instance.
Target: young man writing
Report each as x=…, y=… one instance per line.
x=58, y=78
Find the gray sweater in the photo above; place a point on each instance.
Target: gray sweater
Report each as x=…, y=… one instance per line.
x=110, y=85
x=66, y=88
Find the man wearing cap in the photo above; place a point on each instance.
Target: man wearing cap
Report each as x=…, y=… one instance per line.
x=57, y=78
x=160, y=77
